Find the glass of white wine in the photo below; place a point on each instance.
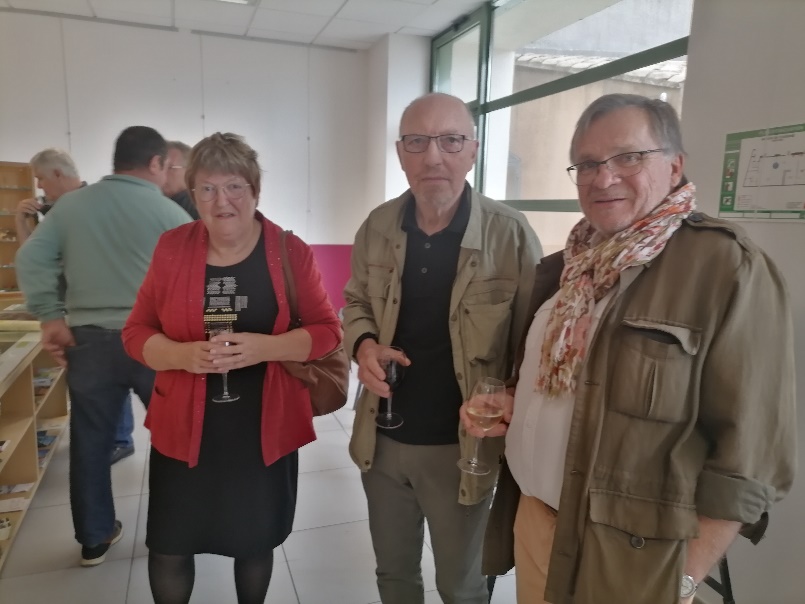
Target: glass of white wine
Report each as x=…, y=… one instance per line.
x=485, y=410
x=216, y=329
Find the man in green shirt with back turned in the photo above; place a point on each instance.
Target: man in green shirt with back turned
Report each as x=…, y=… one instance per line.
x=100, y=238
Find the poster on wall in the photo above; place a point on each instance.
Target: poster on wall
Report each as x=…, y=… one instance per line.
x=763, y=174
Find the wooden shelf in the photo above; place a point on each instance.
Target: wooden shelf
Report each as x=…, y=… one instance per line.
x=22, y=415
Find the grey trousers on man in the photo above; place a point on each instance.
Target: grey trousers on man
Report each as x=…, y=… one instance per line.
x=406, y=485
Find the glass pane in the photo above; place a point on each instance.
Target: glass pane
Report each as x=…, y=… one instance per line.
x=552, y=228
x=528, y=145
x=552, y=45
x=457, y=66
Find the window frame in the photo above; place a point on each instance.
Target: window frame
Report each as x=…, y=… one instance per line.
x=482, y=106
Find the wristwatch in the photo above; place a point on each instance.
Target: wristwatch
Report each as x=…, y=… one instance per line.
x=688, y=587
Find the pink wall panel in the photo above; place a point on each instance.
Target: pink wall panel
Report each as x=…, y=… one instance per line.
x=333, y=261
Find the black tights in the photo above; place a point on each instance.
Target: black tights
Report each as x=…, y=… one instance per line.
x=172, y=578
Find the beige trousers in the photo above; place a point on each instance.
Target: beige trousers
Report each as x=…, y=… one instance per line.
x=534, y=527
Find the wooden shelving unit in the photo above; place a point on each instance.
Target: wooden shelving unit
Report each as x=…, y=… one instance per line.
x=24, y=411
x=16, y=184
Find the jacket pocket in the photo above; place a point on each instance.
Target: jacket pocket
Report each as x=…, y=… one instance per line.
x=652, y=371
x=633, y=550
x=379, y=281
x=485, y=330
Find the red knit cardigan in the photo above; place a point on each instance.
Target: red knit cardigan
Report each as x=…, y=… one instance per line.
x=170, y=301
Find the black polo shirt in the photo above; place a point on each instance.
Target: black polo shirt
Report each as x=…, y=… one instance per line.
x=429, y=397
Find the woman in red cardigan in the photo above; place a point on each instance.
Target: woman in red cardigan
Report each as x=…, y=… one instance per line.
x=223, y=474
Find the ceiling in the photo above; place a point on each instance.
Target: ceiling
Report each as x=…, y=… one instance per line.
x=353, y=24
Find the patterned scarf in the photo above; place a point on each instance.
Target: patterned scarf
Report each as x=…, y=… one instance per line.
x=589, y=273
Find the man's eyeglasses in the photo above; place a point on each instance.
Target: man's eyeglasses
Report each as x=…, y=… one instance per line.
x=176, y=167
x=621, y=165
x=419, y=143
x=233, y=191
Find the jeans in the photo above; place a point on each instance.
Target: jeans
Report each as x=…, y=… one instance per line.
x=125, y=427
x=99, y=376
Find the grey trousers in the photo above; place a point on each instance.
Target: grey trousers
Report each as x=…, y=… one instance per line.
x=406, y=485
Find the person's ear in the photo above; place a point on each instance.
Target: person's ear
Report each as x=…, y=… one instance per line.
x=157, y=164
x=677, y=170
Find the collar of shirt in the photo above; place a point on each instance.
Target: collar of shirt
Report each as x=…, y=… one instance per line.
x=460, y=219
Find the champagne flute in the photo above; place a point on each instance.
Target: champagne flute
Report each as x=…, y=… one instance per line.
x=485, y=410
x=227, y=397
x=394, y=375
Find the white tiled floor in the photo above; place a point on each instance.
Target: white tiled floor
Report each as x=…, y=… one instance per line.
x=328, y=558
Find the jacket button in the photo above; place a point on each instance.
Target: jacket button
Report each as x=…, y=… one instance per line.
x=575, y=473
x=366, y=462
x=695, y=217
x=463, y=492
x=371, y=411
x=459, y=376
x=637, y=542
x=394, y=301
x=454, y=317
x=473, y=263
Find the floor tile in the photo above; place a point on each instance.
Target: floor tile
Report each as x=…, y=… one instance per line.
x=54, y=526
x=105, y=584
x=333, y=565
x=504, y=591
x=325, y=423
x=336, y=565
x=346, y=417
x=329, y=451
x=329, y=497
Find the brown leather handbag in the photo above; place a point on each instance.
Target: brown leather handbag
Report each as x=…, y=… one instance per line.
x=326, y=378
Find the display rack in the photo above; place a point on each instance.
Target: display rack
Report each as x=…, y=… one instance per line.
x=33, y=416
x=16, y=184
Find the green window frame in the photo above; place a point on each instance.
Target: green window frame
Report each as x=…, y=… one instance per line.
x=482, y=105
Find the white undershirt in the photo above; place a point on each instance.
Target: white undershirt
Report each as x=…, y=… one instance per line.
x=536, y=442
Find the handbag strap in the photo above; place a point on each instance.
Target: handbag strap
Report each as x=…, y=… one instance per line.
x=290, y=285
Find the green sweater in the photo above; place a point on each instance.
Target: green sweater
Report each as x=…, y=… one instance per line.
x=100, y=238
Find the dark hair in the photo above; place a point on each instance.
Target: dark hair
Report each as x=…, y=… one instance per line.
x=136, y=146
x=662, y=117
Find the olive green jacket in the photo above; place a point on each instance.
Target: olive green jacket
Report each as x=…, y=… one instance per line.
x=684, y=407
x=488, y=308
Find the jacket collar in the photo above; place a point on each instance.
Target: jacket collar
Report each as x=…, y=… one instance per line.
x=388, y=218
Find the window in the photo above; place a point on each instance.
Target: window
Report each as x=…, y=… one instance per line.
x=539, y=64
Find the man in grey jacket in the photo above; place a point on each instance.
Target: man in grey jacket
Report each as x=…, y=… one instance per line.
x=444, y=274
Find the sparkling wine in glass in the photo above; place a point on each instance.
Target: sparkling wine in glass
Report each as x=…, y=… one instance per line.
x=485, y=410
x=394, y=375
x=226, y=397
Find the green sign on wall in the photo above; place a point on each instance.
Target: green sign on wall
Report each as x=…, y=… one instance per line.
x=763, y=174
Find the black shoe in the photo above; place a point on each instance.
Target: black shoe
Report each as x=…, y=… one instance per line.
x=93, y=556
x=119, y=453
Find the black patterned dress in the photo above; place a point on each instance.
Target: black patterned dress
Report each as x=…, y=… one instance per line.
x=230, y=503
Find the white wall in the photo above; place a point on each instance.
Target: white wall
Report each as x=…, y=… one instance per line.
x=744, y=73
x=398, y=73
x=76, y=84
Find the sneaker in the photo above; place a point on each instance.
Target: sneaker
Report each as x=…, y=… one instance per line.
x=119, y=453
x=93, y=556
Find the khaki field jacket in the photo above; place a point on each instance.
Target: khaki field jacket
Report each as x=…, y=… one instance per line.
x=684, y=407
x=488, y=308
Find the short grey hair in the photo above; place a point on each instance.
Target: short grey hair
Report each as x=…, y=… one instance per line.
x=183, y=148
x=55, y=159
x=663, y=120
x=430, y=95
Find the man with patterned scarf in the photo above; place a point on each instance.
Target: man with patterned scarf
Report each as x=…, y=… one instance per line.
x=653, y=416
